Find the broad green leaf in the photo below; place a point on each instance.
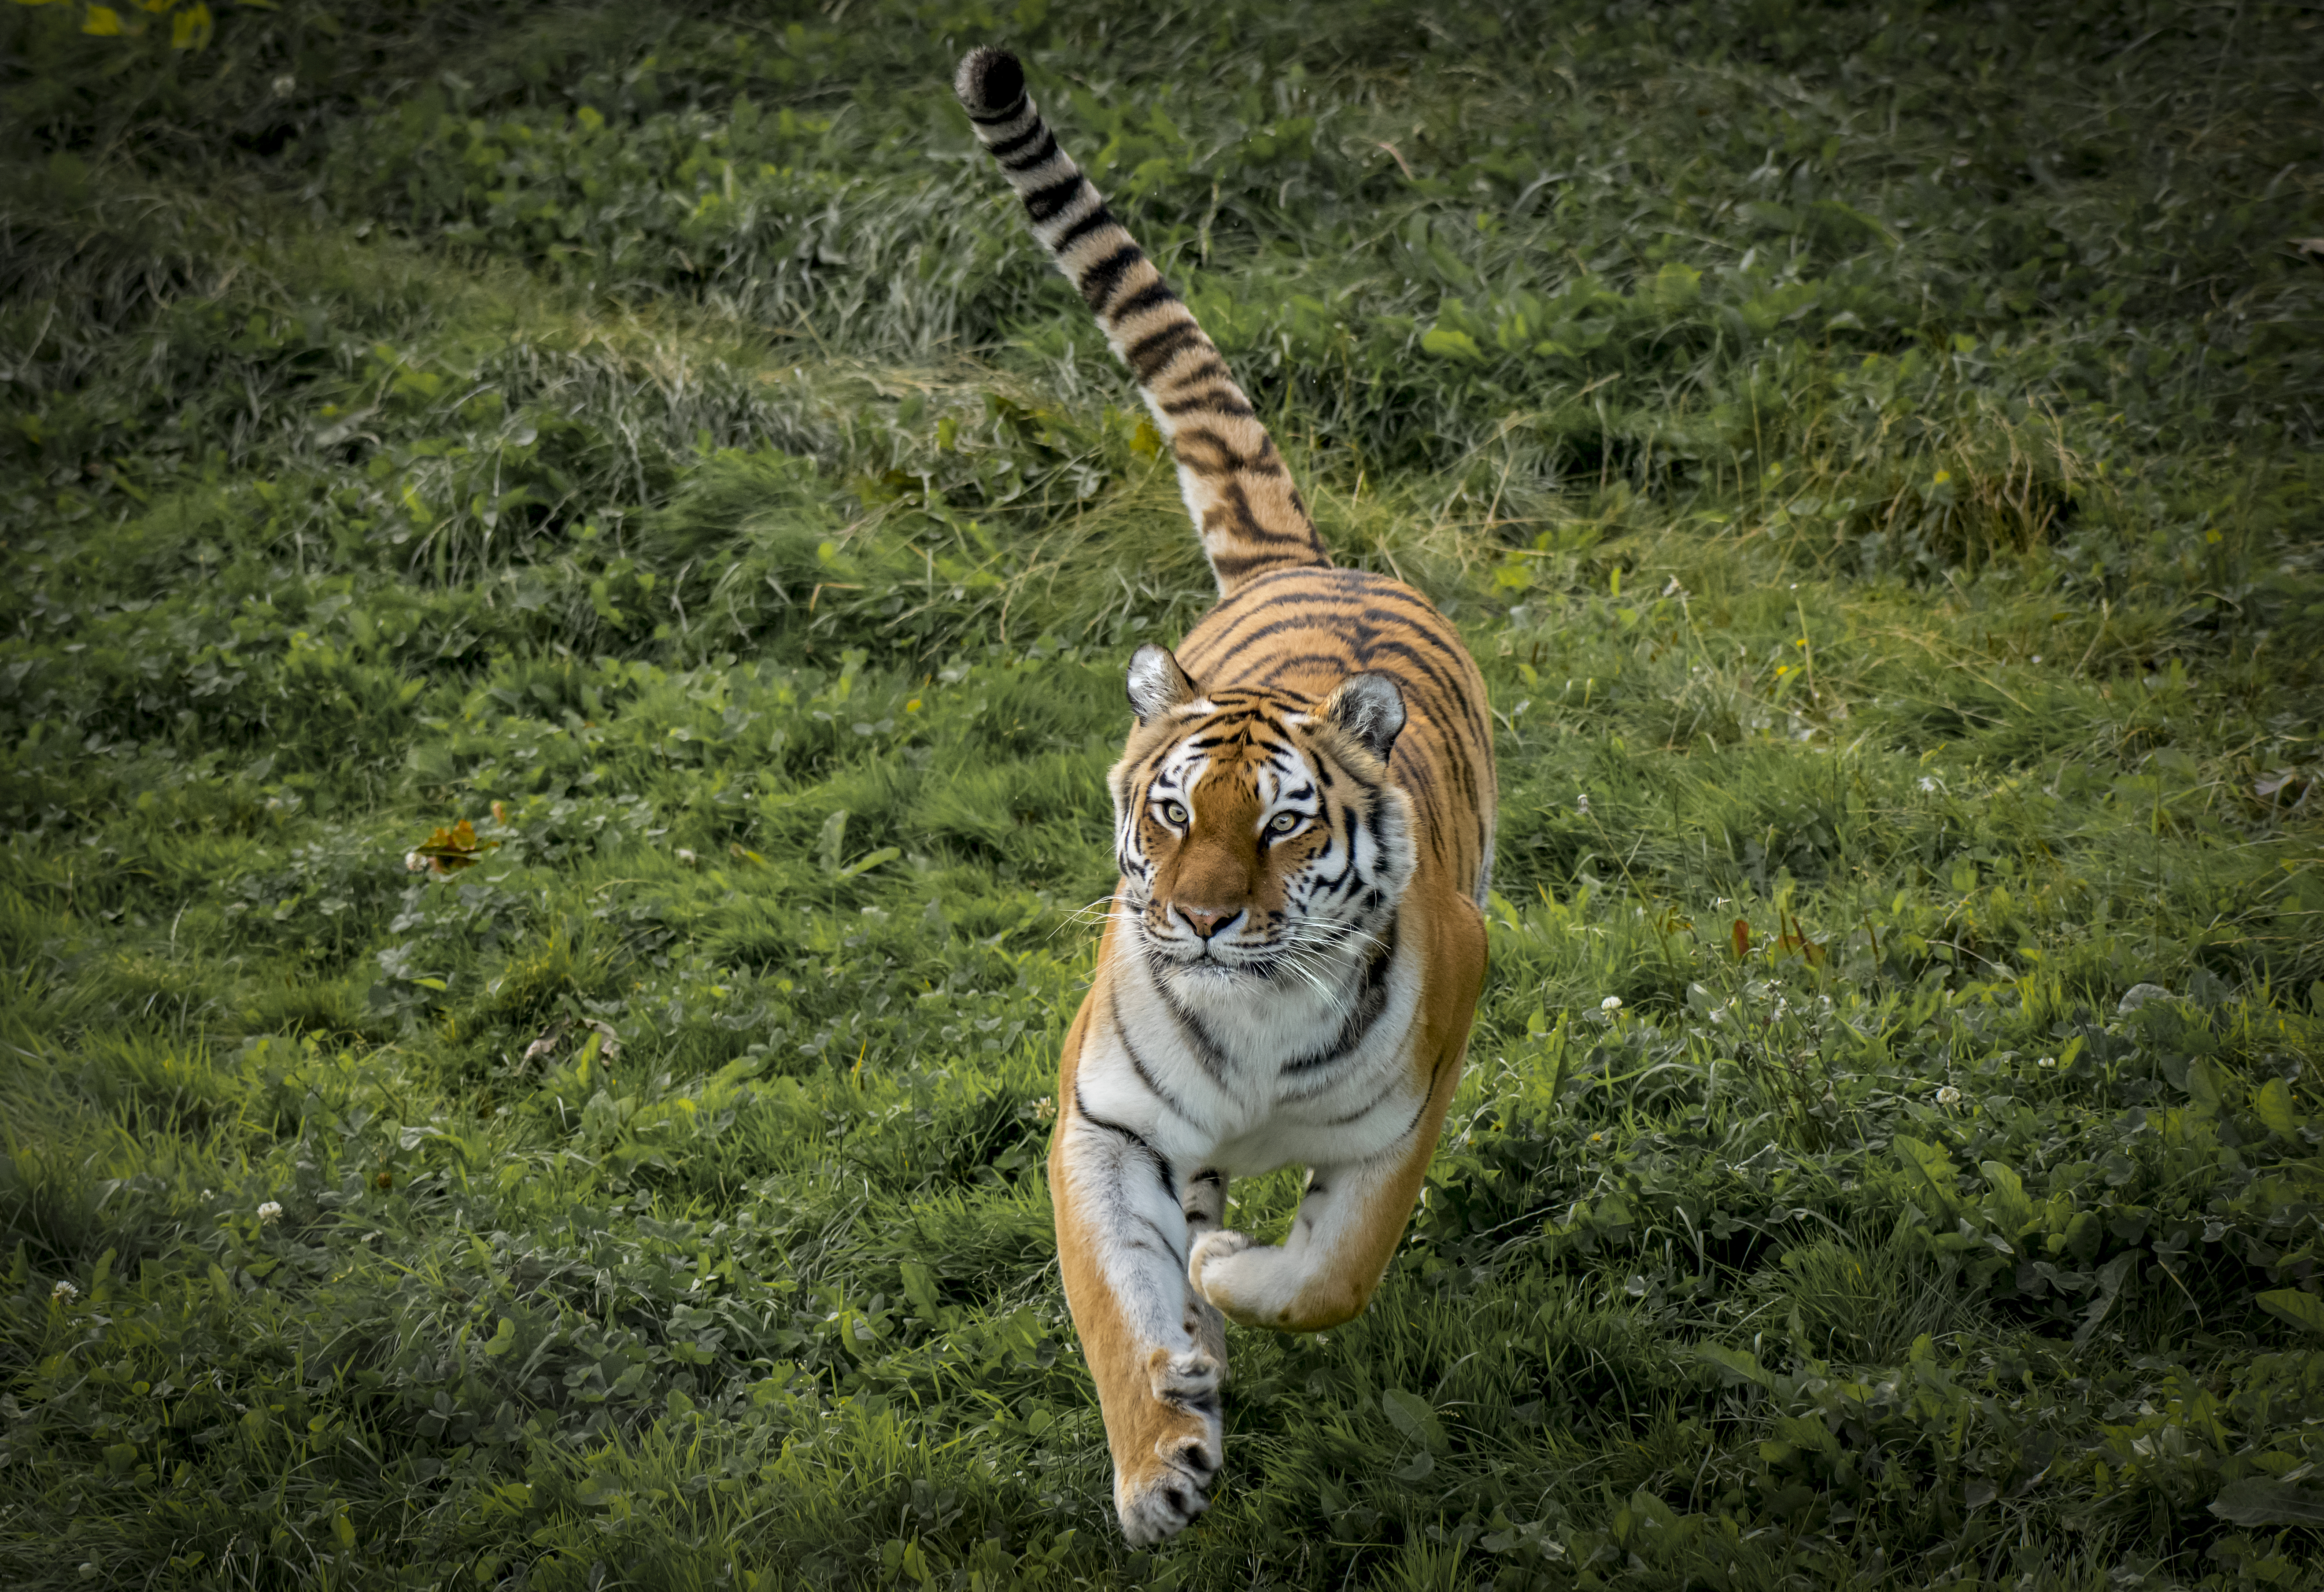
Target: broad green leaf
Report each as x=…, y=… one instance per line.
x=2275, y=1107
x=920, y=1288
x=1446, y=343
x=1929, y=1170
x=1413, y=1416
x=2262, y=1501
x=2289, y=1304
x=2203, y=1086
x=1735, y=1365
x=2007, y=1205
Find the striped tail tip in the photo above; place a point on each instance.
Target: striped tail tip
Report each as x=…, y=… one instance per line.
x=990, y=84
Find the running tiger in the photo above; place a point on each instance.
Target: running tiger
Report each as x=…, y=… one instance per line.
x=1304, y=824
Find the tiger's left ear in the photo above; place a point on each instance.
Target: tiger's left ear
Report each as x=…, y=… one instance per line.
x=1370, y=708
x=1156, y=683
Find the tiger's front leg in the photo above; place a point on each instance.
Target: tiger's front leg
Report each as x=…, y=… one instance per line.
x=1350, y=1220
x=1325, y=1269
x=1156, y=1350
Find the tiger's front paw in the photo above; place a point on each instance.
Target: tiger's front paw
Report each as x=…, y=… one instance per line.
x=1161, y=1494
x=1210, y=1250
x=1241, y=1278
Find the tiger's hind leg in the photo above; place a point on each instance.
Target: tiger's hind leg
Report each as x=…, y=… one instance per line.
x=1155, y=1348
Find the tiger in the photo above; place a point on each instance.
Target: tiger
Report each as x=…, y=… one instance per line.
x=1296, y=943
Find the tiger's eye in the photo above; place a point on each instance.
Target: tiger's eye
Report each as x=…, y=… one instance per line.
x=1174, y=813
x=1284, y=822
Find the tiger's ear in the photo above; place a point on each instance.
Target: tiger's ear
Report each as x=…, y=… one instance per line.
x=1156, y=683
x=1370, y=708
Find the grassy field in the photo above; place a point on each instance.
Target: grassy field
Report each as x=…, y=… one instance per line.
x=567, y=571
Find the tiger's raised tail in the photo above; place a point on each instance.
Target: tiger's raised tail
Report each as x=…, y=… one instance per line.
x=1250, y=515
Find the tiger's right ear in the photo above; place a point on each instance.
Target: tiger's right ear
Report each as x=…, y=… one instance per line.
x=1156, y=683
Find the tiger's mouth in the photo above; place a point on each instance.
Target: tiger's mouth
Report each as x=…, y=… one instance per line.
x=1206, y=956
x=1188, y=956
x=1274, y=963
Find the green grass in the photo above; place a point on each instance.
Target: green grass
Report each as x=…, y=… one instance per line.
x=1873, y=455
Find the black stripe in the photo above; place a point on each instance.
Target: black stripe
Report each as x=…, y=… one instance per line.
x=1371, y=1000
x=1035, y=161
x=1450, y=1058
x=1148, y=355
x=1234, y=566
x=1363, y=650
x=1229, y=460
x=1099, y=281
x=1010, y=146
x=1101, y=216
x=1435, y=694
x=1198, y=1038
x=998, y=118
x=1374, y=1104
x=1137, y=1141
x=1137, y=1061
x=1232, y=460
x=1045, y=203
x=1228, y=405
x=1171, y=1249
x=1337, y=592
x=1146, y=298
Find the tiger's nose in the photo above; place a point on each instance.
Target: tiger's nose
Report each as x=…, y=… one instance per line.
x=1206, y=924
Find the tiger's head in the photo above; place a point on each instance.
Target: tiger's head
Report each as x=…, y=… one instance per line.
x=1258, y=833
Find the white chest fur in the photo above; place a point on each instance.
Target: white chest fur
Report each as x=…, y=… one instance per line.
x=1247, y=1077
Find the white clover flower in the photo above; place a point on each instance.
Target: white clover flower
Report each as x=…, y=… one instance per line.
x=413, y=862
x=1927, y=787
x=1612, y=1003
x=1949, y=1097
x=270, y=1212
x=2047, y=1062
x=688, y=856
x=1044, y=1109
x=1582, y=804
x=64, y=1293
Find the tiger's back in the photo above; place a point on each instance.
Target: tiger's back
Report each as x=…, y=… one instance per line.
x=1303, y=821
